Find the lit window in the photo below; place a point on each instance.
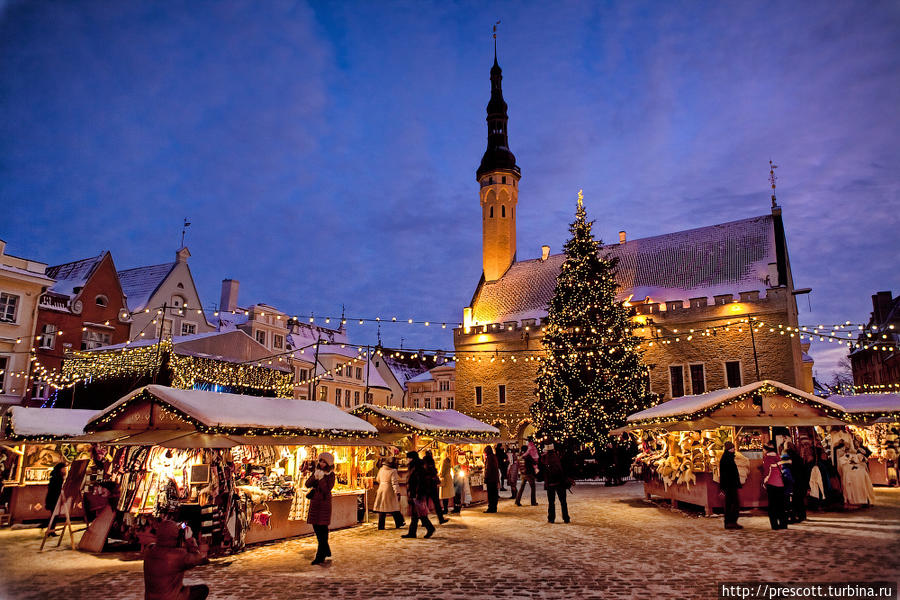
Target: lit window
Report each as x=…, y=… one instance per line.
x=277, y=340
x=94, y=339
x=323, y=394
x=337, y=396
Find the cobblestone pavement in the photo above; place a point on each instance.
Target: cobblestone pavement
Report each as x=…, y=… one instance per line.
x=617, y=546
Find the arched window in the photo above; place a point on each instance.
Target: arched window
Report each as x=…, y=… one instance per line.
x=101, y=300
x=492, y=213
x=177, y=301
x=503, y=211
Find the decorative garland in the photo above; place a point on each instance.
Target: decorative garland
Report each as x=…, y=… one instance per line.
x=480, y=435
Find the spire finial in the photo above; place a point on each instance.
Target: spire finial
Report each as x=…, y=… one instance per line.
x=772, y=179
x=580, y=198
x=495, y=40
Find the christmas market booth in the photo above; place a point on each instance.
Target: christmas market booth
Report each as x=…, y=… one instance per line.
x=30, y=446
x=875, y=426
x=682, y=440
x=445, y=432
x=231, y=467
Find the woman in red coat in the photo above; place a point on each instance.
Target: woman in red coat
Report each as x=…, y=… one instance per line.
x=320, y=482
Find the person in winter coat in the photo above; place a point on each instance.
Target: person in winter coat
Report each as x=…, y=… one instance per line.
x=434, y=486
x=54, y=489
x=512, y=472
x=556, y=483
x=321, y=482
x=729, y=483
x=800, y=489
x=417, y=492
x=774, y=483
x=165, y=564
x=500, y=453
x=491, y=479
x=447, y=490
x=387, y=498
x=528, y=472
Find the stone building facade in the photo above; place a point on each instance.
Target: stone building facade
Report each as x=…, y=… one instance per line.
x=691, y=292
x=876, y=362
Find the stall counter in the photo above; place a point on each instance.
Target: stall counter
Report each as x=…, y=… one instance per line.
x=343, y=514
x=705, y=492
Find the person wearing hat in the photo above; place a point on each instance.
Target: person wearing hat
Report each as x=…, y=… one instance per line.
x=417, y=492
x=167, y=560
x=774, y=486
x=320, y=483
x=729, y=483
x=556, y=483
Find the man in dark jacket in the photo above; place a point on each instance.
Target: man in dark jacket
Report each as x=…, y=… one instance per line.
x=54, y=489
x=556, y=483
x=502, y=464
x=165, y=564
x=491, y=479
x=729, y=483
x=417, y=492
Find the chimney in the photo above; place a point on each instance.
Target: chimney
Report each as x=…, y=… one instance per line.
x=881, y=307
x=228, y=301
x=182, y=255
x=545, y=252
x=621, y=237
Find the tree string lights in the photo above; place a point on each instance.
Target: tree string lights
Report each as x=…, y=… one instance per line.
x=592, y=376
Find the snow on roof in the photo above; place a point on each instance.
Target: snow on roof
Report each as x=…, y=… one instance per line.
x=140, y=283
x=18, y=271
x=868, y=403
x=431, y=419
x=689, y=405
x=728, y=258
x=405, y=368
x=48, y=422
x=72, y=275
x=426, y=376
x=214, y=409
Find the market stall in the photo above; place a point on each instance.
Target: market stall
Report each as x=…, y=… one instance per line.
x=30, y=446
x=445, y=432
x=682, y=440
x=875, y=424
x=230, y=466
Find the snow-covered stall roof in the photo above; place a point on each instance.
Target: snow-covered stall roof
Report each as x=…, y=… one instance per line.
x=727, y=258
x=438, y=422
x=213, y=410
x=57, y=423
x=704, y=403
x=868, y=403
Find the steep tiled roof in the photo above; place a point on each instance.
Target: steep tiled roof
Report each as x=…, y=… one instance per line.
x=140, y=283
x=72, y=275
x=720, y=259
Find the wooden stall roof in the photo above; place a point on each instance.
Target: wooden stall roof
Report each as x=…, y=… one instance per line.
x=43, y=424
x=445, y=425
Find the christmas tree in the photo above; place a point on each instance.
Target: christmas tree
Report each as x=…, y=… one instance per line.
x=592, y=376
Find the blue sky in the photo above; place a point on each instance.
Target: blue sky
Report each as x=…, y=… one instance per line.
x=325, y=153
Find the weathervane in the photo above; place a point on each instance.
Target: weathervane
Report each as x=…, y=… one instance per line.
x=183, y=230
x=772, y=178
x=495, y=39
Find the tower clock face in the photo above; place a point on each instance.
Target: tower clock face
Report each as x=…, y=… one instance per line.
x=76, y=308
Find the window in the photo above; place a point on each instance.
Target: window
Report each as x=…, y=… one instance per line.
x=438, y=403
x=302, y=374
x=8, y=305
x=94, y=339
x=415, y=402
x=504, y=179
x=337, y=396
x=676, y=380
x=492, y=212
x=188, y=328
x=501, y=394
x=503, y=210
x=346, y=397
x=733, y=373
x=478, y=397
x=40, y=389
x=359, y=373
x=698, y=382
x=4, y=362
x=261, y=337
x=355, y=398
x=277, y=340
x=427, y=402
x=339, y=370
x=102, y=300
x=323, y=394
x=48, y=336
x=450, y=402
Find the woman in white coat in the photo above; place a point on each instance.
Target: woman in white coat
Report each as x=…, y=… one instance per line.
x=387, y=498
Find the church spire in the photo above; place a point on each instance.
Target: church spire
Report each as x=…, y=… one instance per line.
x=497, y=156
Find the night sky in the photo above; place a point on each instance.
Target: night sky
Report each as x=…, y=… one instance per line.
x=326, y=153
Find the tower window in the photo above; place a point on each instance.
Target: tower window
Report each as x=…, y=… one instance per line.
x=504, y=179
x=492, y=212
x=503, y=211
x=490, y=180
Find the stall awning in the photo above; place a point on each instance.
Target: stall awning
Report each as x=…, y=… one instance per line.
x=217, y=416
x=440, y=424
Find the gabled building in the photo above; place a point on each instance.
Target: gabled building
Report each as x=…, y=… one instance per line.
x=84, y=309
x=686, y=288
x=435, y=388
x=875, y=359
x=22, y=281
x=397, y=368
x=149, y=289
